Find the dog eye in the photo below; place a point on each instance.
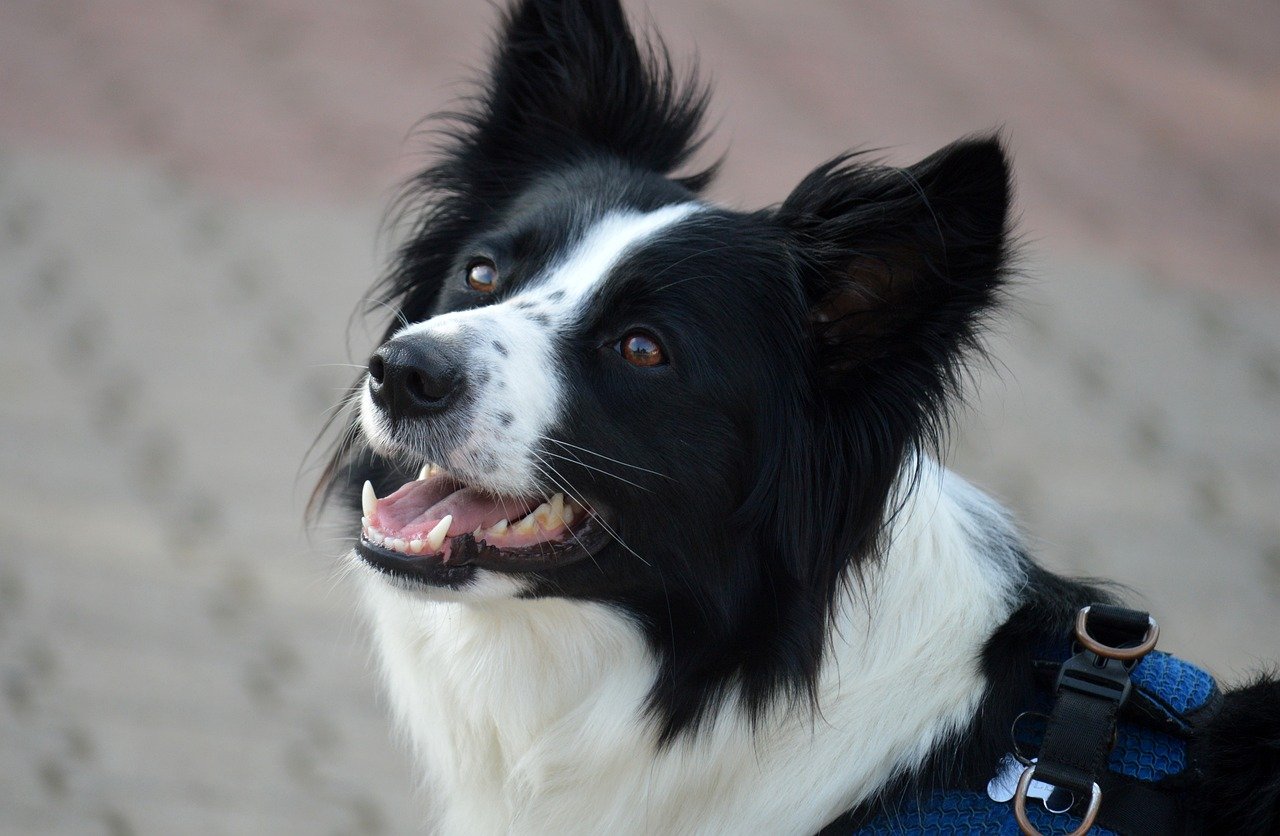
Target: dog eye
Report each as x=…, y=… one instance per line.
x=641, y=349
x=482, y=275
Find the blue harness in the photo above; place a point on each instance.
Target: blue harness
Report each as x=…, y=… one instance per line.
x=1165, y=699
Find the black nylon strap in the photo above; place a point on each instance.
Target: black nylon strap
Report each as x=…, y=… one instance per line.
x=1090, y=692
x=1117, y=626
x=1132, y=808
x=1076, y=741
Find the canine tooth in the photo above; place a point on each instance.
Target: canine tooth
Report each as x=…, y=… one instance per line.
x=369, y=499
x=425, y=472
x=435, y=539
x=364, y=522
x=499, y=529
x=415, y=546
x=479, y=530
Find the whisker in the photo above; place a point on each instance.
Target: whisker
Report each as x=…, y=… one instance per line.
x=572, y=533
x=581, y=501
x=598, y=470
x=399, y=314
x=603, y=456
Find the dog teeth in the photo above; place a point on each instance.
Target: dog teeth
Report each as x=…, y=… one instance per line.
x=543, y=515
x=429, y=470
x=557, y=512
x=435, y=538
x=528, y=525
x=550, y=515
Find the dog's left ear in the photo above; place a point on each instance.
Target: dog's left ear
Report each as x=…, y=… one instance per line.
x=900, y=265
x=571, y=79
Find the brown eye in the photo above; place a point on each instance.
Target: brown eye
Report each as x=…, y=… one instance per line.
x=482, y=275
x=640, y=349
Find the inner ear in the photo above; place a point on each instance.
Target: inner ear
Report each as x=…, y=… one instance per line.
x=900, y=264
x=861, y=302
x=864, y=283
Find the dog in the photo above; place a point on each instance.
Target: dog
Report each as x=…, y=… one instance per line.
x=654, y=533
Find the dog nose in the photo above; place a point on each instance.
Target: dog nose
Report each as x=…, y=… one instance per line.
x=413, y=376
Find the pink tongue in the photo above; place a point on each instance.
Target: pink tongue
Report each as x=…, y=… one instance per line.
x=472, y=508
x=418, y=506
x=398, y=509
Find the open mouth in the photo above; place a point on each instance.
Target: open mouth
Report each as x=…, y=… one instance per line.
x=438, y=530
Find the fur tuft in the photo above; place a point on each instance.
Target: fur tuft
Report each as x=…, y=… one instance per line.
x=1238, y=754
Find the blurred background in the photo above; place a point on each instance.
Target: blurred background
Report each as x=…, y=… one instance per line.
x=190, y=196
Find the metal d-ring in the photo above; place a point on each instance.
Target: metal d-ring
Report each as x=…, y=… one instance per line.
x=1123, y=654
x=1020, y=806
x=1013, y=735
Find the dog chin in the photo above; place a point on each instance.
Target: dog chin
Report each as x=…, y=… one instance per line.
x=481, y=587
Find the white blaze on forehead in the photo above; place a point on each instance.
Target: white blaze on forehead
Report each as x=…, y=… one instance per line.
x=604, y=245
x=574, y=276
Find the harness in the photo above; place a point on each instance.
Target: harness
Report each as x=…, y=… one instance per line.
x=1104, y=749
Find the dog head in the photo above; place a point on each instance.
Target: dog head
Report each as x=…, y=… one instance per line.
x=601, y=386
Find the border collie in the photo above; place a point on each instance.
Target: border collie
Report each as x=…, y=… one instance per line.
x=654, y=536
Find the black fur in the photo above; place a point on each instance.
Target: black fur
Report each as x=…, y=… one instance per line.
x=819, y=345
x=1238, y=756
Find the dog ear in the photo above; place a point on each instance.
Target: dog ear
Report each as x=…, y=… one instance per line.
x=570, y=78
x=900, y=266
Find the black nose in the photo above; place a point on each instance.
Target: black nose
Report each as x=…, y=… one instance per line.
x=413, y=376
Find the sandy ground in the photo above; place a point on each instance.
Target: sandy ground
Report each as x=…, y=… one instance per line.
x=189, y=207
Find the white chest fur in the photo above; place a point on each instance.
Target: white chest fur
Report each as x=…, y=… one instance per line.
x=527, y=716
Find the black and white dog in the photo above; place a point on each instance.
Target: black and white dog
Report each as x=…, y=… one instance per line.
x=653, y=539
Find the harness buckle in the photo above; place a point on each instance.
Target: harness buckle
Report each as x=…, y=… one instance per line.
x=1097, y=676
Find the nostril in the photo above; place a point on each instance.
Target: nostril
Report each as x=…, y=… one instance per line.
x=416, y=386
x=426, y=388
x=377, y=369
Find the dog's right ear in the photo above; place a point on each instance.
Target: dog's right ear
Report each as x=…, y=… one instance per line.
x=569, y=80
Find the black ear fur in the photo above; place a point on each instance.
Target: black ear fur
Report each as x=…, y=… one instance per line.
x=570, y=78
x=901, y=264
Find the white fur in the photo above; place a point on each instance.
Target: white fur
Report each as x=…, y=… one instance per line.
x=525, y=383
x=526, y=716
